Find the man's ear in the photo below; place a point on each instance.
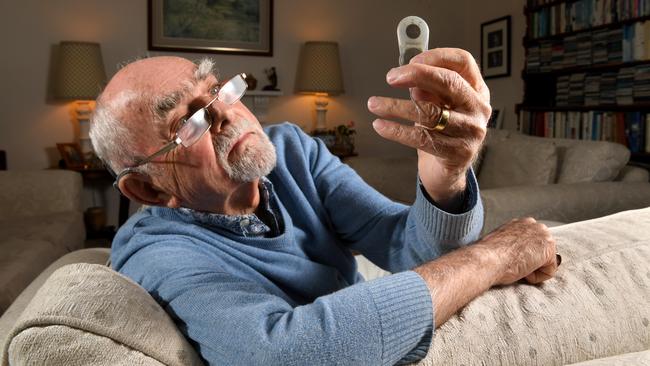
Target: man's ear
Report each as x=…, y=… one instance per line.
x=138, y=187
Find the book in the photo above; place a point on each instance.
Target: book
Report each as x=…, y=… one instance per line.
x=647, y=133
x=635, y=132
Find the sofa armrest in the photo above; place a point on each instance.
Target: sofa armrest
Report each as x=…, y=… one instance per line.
x=562, y=202
x=89, y=314
x=91, y=255
x=631, y=173
x=597, y=306
x=39, y=192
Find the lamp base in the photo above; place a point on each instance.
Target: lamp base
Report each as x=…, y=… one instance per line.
x=83, y=110
x=321, y=112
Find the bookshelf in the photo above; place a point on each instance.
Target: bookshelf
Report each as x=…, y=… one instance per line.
x=587, y=72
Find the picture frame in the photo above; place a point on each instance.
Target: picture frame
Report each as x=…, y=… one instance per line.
x=496, y=119
x=230, y=27
x=71, y=155
x=496, y=47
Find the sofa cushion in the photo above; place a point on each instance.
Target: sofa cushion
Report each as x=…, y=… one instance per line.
x=589, y=161
x=597, y=306
x=631, y=173
x=63, y=229
x=513, y=162
x=39, y=192
x=627, y=359
x=88, y=310
x=494, y=135
x=395, y=177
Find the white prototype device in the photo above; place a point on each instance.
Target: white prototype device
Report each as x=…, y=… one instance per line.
x=412, y=37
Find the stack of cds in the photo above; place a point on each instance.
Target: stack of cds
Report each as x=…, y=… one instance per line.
x=592, y=89
x=642, y=84
x=625, y=86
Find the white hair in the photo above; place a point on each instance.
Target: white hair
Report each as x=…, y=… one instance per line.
x=205, y=68
x=112, y=141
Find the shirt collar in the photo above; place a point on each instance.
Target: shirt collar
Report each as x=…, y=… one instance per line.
x=244, y=225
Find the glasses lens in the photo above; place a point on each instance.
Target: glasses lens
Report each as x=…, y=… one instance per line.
x=233, y=90
x=195, y=126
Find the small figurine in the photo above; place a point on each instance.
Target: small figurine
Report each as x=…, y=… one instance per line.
x=251, y=81
x=273, y=79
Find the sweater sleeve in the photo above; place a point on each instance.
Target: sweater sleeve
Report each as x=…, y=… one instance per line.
x=393, y=236
x=233, y=321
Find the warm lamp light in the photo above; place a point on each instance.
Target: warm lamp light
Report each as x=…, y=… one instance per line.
x=80, y=76
x=319, y=73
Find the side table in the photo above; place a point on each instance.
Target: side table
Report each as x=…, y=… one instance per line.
x=94, y=175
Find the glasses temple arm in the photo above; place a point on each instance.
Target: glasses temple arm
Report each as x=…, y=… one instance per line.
x=165, y=149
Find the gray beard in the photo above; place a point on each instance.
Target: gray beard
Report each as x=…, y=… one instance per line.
x=256, y=161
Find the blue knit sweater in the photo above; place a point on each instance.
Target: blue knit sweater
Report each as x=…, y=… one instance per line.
x=296, y=298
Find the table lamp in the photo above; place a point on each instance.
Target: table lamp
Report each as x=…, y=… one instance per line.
x=79, y=75
x=319, y=73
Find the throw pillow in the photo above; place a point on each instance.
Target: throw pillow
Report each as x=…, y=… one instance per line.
x=513, y=162
x=589, y=161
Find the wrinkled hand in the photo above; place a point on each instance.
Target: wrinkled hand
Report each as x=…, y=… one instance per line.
x=442, y=77
x=526, y=249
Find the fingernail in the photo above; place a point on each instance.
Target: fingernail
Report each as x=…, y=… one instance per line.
x=372, y=102
x=393, y=75
x=377, y=125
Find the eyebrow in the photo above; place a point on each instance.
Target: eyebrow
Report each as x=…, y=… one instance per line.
x=168, y=102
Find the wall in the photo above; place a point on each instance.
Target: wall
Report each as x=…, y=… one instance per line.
x=505, y=91
x=31, y=124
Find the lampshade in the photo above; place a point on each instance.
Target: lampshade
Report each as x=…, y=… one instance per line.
x=319, y=69
x=79, y=72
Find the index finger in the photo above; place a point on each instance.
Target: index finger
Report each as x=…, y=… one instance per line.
x=457, y=60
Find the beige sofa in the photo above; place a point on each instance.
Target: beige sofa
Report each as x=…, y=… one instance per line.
x=558, y=180
x=40, y=220
x=596, y=311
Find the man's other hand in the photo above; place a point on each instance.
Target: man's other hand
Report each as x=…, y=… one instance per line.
x=527, y=250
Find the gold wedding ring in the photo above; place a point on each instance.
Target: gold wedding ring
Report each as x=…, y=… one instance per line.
x=442, y=121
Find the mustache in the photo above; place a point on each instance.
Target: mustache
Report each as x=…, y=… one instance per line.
x=229, y=135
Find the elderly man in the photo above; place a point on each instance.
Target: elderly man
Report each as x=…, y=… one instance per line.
x=248, y=236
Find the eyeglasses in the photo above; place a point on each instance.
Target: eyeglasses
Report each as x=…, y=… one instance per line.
x=192, y=129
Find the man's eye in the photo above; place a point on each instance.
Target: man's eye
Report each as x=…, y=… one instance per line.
x=215, y=89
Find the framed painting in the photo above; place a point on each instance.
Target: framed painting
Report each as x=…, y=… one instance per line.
x=242, y=27
x=495, y=48
x=72, y=155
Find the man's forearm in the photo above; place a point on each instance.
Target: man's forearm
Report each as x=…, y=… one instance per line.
x=458, y=277
x=522, y=248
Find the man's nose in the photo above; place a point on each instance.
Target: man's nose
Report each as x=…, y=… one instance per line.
x=220, y=113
